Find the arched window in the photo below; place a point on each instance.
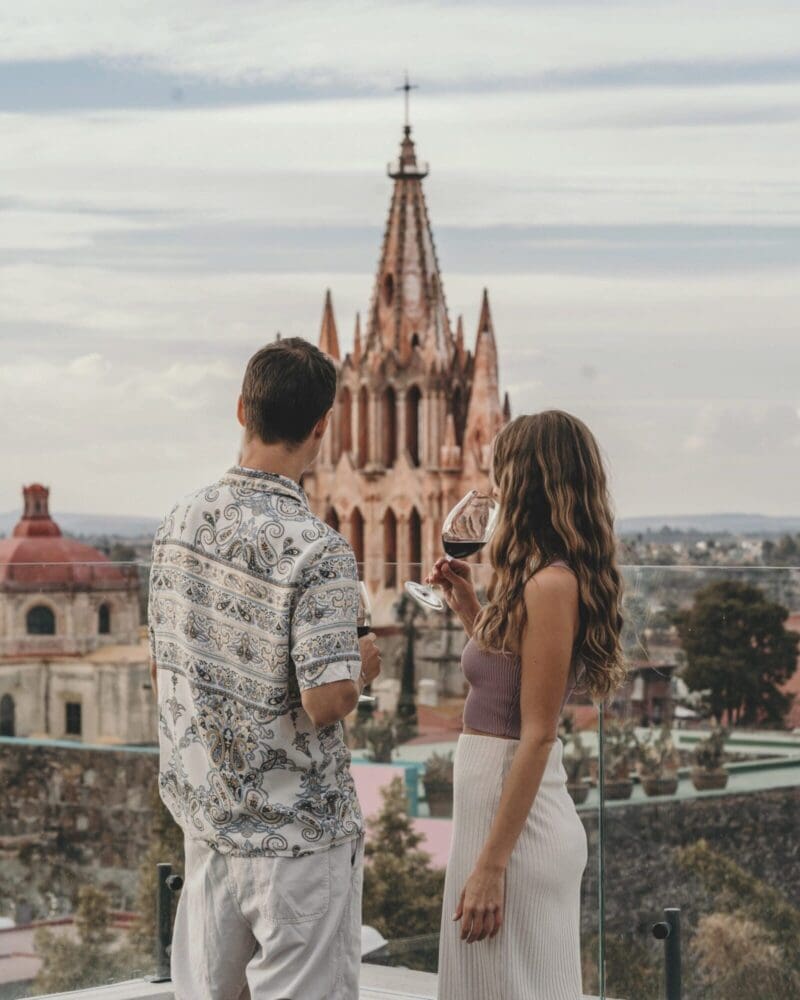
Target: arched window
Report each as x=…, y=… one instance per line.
x=363, y=427
x=458, y=414
x=346, y=413
x=7, y=716
x=40, y=620
x=388, y=289
x=104, y=619
x=332, y=518
x=415, y=545
x=389, y=427
x=357, y=535
x=413, y=400
x=389, y=549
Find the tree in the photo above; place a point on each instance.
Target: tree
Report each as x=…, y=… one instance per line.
x=739, y=652
x=69, y=964
x=785, y=552
x=402, y=893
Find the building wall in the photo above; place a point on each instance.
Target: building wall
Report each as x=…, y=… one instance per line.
x=77, y=621
x=115, y=697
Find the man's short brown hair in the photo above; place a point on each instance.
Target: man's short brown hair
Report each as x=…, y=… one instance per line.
x=288, y=387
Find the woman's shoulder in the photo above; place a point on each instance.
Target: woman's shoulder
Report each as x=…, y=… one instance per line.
x=556, y=579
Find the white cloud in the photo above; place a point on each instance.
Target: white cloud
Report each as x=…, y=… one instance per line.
x=362, y=42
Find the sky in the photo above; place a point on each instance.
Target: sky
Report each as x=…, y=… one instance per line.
x=179, y=181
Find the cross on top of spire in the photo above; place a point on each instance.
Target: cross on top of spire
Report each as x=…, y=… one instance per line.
x=407, y=87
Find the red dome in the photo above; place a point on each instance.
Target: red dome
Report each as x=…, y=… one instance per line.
x=37, y=556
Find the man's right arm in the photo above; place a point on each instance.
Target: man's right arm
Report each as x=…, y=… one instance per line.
x=331, y=663
x=333, y=702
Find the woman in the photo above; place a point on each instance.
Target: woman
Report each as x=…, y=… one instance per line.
x=510, y=926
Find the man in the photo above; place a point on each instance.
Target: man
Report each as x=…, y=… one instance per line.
x=256, y=660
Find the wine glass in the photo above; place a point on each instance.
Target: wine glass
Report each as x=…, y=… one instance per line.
x=364, y=627
x=466, y=529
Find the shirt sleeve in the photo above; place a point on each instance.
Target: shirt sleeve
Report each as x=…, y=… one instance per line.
x=324, y=640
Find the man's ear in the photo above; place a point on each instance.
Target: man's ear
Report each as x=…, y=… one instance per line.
x=322, y=424
x=240, y=412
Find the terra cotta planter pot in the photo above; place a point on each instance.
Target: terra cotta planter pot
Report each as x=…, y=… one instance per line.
x=619, y=789
x=704, y=780
x=439, y=796
x=579, y=791
x=660, y=786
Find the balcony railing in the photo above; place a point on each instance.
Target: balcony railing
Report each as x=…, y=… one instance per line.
x=675, y=813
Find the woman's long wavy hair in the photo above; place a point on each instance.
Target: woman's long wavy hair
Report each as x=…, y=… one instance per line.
x=554, y=504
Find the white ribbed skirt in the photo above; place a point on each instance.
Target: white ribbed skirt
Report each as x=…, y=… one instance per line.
x=536, y=954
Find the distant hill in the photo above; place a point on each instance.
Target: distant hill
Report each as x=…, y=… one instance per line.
x=113, y=525
x=118, y=526
x=735, y=524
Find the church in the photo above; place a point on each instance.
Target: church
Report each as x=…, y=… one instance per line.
x=74, y=661
x=416, y=409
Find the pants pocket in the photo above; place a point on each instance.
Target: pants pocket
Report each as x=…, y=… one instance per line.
x=297, y=889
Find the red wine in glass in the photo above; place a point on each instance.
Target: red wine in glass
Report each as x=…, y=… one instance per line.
x=461, y=548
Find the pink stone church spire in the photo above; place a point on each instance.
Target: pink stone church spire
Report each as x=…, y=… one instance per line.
x=485, y=415
x=329, y=337
x=408, y=316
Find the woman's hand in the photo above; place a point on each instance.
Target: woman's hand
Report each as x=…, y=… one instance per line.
x=454, y=576
x=480, y=908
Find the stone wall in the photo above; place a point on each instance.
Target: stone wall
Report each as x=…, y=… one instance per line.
x=758, y=831
x=71, y=815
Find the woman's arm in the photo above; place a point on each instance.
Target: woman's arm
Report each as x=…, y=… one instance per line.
x=551, y=598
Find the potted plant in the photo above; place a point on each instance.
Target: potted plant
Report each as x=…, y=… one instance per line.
x=438, y=782
x=619, y=745
x=709, y=755
x=576, y=764
x=379, y=735
x=658, y=762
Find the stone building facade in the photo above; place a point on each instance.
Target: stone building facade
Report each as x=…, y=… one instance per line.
x=416, y=410
x=73, y=662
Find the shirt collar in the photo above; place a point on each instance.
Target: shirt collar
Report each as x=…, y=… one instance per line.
x=270, y=482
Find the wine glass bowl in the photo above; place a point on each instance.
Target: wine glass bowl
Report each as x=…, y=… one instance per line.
x=466, y=529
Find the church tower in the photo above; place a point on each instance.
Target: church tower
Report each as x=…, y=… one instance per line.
x=416, y=411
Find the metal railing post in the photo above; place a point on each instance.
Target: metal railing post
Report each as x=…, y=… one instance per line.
x=669, y=931
x=167, y=884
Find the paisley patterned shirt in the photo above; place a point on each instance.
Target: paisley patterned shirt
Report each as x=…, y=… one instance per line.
x=253, y=599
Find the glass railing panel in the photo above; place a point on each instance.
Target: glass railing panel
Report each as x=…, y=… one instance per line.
x=702, y=785
x=83, y=829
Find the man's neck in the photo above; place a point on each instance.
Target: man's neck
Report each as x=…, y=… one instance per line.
x=276, y=459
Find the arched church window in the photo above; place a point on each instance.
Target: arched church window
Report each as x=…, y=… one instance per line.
x=104, y=619
x=363, y=427
x=346, y=404
x=434, y=288
x=357, y=536
x=332, y=518
x=389, y=427
x=388, y=289
x=40, y=620
x=415, y=341
x=389, y=549
x=458, y=414
x=7, y=716
x=415, y=546
x=413, y=409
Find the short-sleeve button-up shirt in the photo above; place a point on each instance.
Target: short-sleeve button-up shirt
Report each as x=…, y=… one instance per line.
x=252, y=600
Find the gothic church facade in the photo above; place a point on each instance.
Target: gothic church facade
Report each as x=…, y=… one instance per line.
x=416, y=410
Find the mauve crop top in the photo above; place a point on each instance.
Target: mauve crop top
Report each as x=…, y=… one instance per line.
x=492, y=704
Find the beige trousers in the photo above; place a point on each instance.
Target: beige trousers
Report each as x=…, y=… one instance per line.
x=269, y=928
